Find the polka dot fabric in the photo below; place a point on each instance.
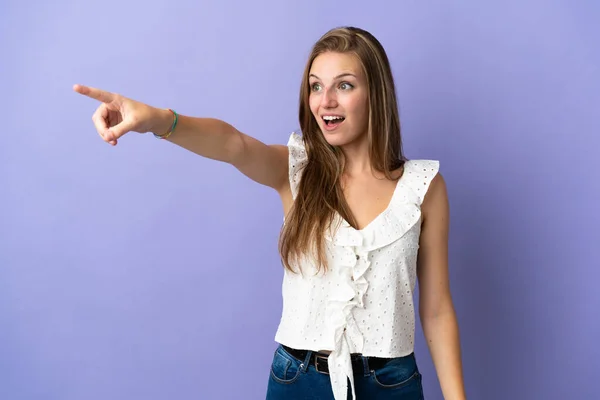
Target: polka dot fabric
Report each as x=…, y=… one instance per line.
x=364, y=302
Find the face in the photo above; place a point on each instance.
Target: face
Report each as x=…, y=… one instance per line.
x=339, y=97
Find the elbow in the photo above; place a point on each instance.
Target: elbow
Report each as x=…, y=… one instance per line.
x=431, y=312
x=234, y=146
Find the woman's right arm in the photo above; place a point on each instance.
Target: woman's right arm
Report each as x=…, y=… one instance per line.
x=207, y=137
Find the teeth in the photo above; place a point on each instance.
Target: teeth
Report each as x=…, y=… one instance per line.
x=331, y=117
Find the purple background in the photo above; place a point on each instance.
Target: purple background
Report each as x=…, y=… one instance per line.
x=146, y=272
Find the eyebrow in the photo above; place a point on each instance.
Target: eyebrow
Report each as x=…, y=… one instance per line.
x=337, y=77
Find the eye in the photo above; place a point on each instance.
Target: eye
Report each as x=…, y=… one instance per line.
x=315, y=87
x=346, y=86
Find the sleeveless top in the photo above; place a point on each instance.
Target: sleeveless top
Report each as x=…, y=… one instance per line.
x=364, y=302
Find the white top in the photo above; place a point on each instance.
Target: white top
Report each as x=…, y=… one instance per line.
x=364, y=303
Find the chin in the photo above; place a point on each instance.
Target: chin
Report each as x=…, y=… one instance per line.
x=338, y=138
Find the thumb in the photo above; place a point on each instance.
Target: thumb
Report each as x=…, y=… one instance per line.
x=119, y=130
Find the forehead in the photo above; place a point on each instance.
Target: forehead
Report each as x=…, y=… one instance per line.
x=329, y=65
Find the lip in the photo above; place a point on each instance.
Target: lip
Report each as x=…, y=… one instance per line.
x=334, y=127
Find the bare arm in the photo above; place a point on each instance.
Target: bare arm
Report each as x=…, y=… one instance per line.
x=435, y=302
x=208, y=137
x=218, y=140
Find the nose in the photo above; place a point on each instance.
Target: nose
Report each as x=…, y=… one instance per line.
x=329, y=98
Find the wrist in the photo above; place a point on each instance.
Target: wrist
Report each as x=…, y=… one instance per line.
x=163, y=122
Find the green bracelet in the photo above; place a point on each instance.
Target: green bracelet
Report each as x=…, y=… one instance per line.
x=166, y=135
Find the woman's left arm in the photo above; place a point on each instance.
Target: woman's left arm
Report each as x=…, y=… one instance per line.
x=436, y=309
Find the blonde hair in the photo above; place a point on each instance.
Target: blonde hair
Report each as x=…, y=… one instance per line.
x=320, y=193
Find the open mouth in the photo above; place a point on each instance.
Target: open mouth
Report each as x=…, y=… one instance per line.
x=332, y=121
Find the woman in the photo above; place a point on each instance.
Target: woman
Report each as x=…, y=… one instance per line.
x=362, y=224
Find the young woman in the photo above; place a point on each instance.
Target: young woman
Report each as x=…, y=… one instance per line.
x=362, y=224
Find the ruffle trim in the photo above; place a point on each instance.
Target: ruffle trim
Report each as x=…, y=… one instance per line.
x=297, y=160
x=352, y=258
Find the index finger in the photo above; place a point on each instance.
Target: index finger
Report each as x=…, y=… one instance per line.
x=100, y=95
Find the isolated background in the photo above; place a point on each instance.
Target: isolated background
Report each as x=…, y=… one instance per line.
x=146, y=272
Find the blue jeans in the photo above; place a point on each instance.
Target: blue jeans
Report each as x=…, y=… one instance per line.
x=293, y=379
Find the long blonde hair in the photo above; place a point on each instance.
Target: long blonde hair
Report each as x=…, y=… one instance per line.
x=320, y=193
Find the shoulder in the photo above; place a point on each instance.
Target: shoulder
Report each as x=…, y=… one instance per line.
x=422, y=168
x=296, y=140
x=297, y=160
x=420, y=175
x=437, y=186
x=435, y=201
x=296, y=148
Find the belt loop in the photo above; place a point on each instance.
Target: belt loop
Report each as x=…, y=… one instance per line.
x=304, y=365
x=366, y=365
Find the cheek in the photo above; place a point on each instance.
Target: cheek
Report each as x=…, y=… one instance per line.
x=359, y=107
x=313, y=103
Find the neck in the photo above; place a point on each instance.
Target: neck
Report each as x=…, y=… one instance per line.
x=357, y=157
